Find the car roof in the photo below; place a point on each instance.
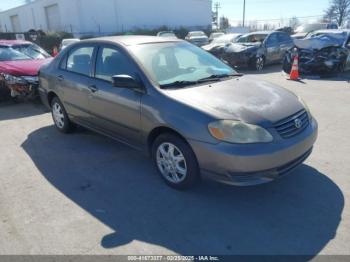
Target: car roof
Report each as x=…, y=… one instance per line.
x=261, y=33
x=130, y=40
x=4, y=42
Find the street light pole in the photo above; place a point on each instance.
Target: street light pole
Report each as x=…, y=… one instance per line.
x=243, y=13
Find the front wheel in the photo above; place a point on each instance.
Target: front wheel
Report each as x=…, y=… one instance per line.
x=60, y=116
x=175, y=161
x=259, y=63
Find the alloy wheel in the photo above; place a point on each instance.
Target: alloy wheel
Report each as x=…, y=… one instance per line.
x=58, y=115
x=171, y=163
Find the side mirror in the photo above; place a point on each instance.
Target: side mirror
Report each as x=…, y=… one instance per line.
x=126, y=81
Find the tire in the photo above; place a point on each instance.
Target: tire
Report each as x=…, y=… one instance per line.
x=259, y=63
x=60, y=116
x=178, y=169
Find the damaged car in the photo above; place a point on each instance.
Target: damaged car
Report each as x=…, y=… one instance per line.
x=216, y=47
x=324, y=51
x=255, y=50
x=20, y=62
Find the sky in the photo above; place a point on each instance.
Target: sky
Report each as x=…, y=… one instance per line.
x=255, y=9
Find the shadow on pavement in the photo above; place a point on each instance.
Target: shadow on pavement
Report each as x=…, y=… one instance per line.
x=119, y=186
x=267, y=70
x=11, y=110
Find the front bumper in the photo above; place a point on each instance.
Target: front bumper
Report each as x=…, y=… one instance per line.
x=253, y=164
x=236, y=59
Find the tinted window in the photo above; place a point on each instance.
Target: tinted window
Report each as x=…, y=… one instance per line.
x=79, y=60
x=284, y=38
x=111, y=62
x=272, y=40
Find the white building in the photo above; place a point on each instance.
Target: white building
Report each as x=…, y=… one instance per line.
x=105, y=16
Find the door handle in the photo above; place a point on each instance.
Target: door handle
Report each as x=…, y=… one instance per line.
x=60, y=78
x=93, y=88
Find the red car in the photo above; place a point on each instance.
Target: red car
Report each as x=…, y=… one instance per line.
x=20, y=62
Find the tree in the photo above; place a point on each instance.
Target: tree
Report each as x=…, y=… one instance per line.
x=294, y=22
x=338, y=11
x=224, y=23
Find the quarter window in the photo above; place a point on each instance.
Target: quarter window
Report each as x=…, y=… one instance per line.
x=79, y=60
x=111, y=62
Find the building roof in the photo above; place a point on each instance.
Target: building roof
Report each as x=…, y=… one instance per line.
x=135, y=39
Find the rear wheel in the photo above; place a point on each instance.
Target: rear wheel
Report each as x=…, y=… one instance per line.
x=175, y=161
x=59, y=116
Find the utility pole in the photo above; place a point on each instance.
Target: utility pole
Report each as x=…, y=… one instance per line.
x=243, y=13
x=217, y=7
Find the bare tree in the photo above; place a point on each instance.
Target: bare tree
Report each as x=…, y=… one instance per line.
x=294, y=22
x=338, y=11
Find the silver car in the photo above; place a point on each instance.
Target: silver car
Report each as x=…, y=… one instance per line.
x=192, y=113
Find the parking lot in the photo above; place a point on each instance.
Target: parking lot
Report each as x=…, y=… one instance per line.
x=86, y=194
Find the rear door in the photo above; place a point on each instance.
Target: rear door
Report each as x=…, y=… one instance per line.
x=115, y=111
x=74, y=80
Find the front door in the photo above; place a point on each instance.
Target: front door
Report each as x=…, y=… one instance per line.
x=272, y=48
x=115, y=111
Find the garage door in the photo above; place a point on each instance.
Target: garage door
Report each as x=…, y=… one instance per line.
x=53, y=18
x=16, y=26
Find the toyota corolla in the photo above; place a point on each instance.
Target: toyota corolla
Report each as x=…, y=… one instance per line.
x=192, y=113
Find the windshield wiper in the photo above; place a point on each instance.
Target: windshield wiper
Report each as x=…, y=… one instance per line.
x=218, y=77
x=212, y=78
x=179, y=84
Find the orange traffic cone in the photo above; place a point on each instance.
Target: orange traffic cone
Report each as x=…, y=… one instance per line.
x=294, y=74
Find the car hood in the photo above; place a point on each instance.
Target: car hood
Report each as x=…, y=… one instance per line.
x=213, y=45
x=319, y=42
x=245, y=99
x=237, y=48
x=299, y=35
x=23, y=67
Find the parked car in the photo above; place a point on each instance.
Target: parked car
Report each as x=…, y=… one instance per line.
x=168, y=34
x=258, y=49
x=198, y=38
x=20, y=62
x=303, y=30
x=67, y=42
x=215, y=35
x=190, y=111
x=287, y=29
x=324, y=51
x=216, y=47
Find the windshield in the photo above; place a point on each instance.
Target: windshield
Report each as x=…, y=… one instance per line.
x=31, y=50
x=10, y=54
x=169, y=63
x=309, y=28
x=225, y=39
x=255, y=38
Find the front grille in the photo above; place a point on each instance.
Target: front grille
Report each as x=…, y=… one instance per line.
x=293, y=125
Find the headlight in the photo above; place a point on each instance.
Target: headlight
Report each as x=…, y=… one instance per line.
x=238, y=132
x=11, y=80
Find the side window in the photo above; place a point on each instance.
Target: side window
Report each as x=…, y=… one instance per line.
x=79, y=60
x=111, y=62
x=272, y=40
x=282, y=38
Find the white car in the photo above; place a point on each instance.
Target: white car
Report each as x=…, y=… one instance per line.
x=67, y=42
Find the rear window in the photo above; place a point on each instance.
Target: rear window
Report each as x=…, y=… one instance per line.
x=79, y=60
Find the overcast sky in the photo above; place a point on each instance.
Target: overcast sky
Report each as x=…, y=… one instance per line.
x=255, y=9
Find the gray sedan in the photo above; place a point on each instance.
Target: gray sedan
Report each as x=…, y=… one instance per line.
x=192, y=113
